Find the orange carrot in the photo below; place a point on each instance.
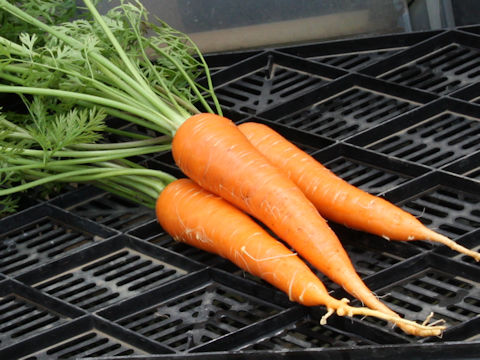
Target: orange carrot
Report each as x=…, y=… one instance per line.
x=194, y=216
x=336, y=199
x=216, y=155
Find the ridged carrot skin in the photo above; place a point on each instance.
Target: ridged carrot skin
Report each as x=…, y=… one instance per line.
x=192, y=215
x=335, y=198
x=204, y=220
x=212, y=151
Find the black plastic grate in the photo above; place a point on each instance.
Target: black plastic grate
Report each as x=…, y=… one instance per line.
x=114, y=212
x=198, y=317
x=43, y=239
x=441, y=72
x=356, y=54
x=89, y=345
x=268, y=79
x=451, y=211
x=434, y=142
x=112, y=278
x=347, y=113
x=356, y=61
x=260, y=90
x=88, y=275
x=451, y=298
x=21, y=318
x=307, y=334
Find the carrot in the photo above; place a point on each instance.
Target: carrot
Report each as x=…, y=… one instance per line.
x=336, y=199
x=222, y=229
x=211, y=150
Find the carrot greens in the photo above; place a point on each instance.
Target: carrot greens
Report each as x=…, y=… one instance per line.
x=71, y=76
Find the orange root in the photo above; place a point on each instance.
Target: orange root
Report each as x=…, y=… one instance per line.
x=408, y=326
x=436, y=237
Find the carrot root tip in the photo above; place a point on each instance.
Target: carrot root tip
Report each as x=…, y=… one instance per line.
x=427, y=320
x=329, y=313
x=433, y=236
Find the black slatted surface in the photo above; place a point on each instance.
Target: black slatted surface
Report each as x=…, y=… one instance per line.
x=347, y=113
x=90, y=275
x=90, y=344
x=441, y=72
x=435, y=142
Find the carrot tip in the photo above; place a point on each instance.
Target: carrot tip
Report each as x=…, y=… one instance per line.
x=408, y=326
x=434, y=236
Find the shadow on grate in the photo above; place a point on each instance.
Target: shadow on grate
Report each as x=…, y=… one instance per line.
x=154, y=234
x=368, y=170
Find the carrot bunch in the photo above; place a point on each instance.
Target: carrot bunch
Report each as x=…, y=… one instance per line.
x=213, y=152
x=232, y=174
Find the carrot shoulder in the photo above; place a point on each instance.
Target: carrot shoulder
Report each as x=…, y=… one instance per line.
x=216, y=155
x=338, y=200
x=192, y=215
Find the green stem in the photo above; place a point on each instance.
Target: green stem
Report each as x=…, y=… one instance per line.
x=168, y=115
x=166, y=110
x=95, y=153
x=208, y=77
x=126, y=133
x=185, y=75
x=169, y=124
x=13, y=47
x=123, y=145
x=125, y=192
x=129, y=65
x=52, y=164
x=131, y=119
x=84, y=175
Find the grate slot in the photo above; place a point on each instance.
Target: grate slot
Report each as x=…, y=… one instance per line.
x=453, y=212
x=307, y=334
x=447, y=69
x=347, y=113
x=436, y=141
x=197, y=317
x=102, y=282
x=364, y=175
x=356, y=61
x=21, y=319
x=369, y=261
x=254, y=92
x=114, y=212
x=91, y=344
x=43, y=240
